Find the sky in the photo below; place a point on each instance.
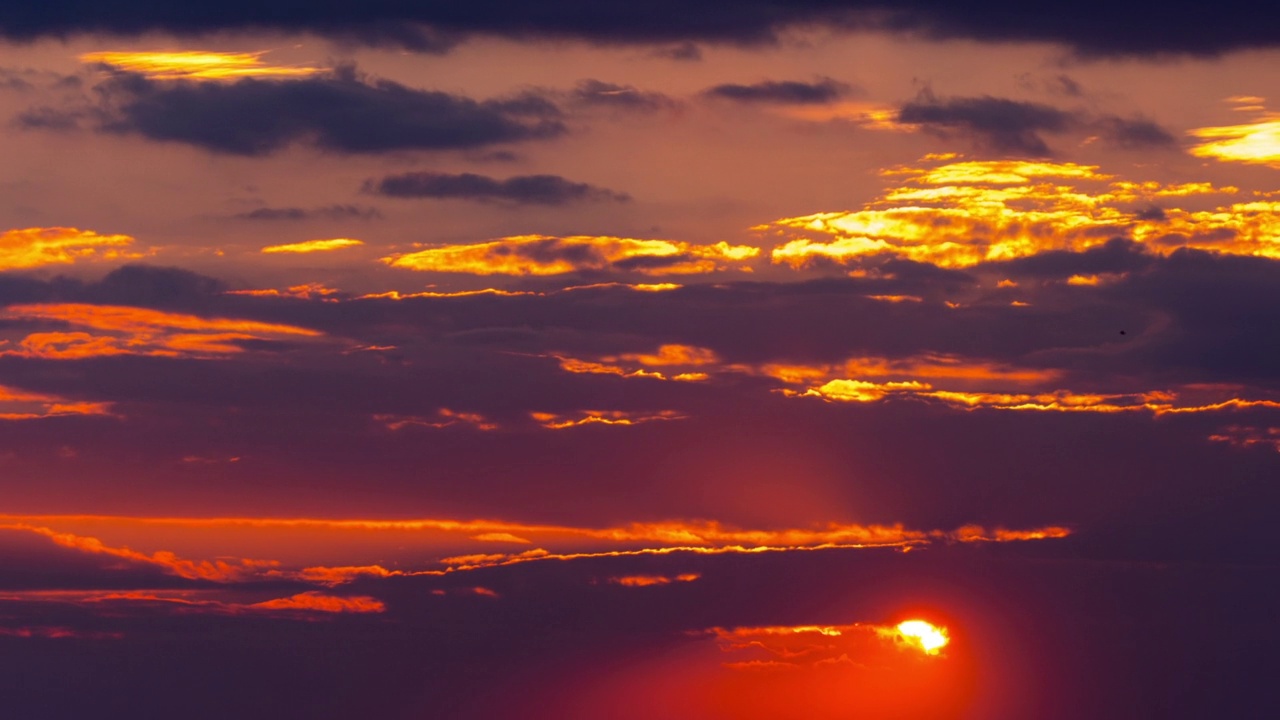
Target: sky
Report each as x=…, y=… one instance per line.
x=681, y=360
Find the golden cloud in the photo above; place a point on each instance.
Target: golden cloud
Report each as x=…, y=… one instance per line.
x=312, y=246
x=119, y=330
x=37, y=246
x=196, y=65
x=963, y=213
x=1257, y=142
x=547, y=255
x=687, y=361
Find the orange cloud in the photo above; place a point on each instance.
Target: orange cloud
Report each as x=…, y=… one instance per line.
x=34, y=247
x=547, y=255
x=963, y=213
x=312, y=246
x=1243, y=436
x=317, y=602
x=227, y=539
x=780, y=647
x=650, y=580
x=138, y=331
x=306, y=291
x=633, y=365
x=555, y=421
x=20, y=405
x=196, y=65
x=1158, y=402
x=206, y=601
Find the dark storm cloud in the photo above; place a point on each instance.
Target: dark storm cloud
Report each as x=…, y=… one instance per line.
x=328, y=212
x=520, y=189
x=342, y=112
x=622, y=97
x=1014, y=127
x=1090, y=26
x=783, y=92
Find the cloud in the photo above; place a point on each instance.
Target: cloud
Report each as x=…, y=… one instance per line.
x=520, y=189
x=106, y=330
x=312, y=601
x=1013, y=127
x=784, y=92
x=1256, y=142
x=39, y=246
x=622, y=97
x=960, y=214
x=338, y=111
x=542, y=255
x=1091, y=28
x=21, y=405
x=328, y=212
x=195, y=65
x=312, y=246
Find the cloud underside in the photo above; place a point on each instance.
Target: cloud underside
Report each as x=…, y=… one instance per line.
x=1016, y=128
x=337, y=111
x=541, y=255
x=520, y=189
x=1092, y=27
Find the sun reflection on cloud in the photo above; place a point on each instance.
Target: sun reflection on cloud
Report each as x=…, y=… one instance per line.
x=959, y=214
x=546, y=255
x=33, y=247
x=196, y=64
x=1256, y=142
x=311, y=246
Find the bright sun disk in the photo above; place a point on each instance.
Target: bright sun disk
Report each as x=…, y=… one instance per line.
x=925, y=636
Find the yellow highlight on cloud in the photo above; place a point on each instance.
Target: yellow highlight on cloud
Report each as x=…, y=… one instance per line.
x=33, y=247
x=311, y=246
x=965, y=213
x=1257, y=142
x=549, y=255
x=196, y=64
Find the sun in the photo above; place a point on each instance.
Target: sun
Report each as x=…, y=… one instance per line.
x=924, y=636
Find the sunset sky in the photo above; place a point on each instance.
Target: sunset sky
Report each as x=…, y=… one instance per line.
x=671, y=360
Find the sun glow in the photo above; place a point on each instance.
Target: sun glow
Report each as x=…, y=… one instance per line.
x=928, y=638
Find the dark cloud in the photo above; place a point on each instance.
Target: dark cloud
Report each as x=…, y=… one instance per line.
x=341, y=112
x=45, y=117
x=1014, y=127
x=328, y=212
x=1091, y=26
x=1004, y=126
x=520, y=189
x=783, y=92
x=685, y=52
x=1133, y=133
x=623, y=97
